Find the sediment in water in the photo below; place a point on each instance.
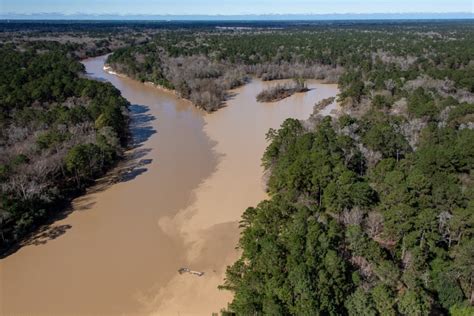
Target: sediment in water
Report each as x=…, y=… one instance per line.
x=179, y=206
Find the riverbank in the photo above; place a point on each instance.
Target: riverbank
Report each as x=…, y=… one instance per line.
x=210, y=224
x=69, y=135
x=280, y=92
x=113, y=253
x=193, y=174
x=108, y=69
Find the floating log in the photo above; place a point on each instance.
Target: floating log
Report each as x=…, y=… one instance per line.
x=187, y=270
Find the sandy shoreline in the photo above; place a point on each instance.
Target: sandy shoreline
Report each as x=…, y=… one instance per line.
x=108, y=69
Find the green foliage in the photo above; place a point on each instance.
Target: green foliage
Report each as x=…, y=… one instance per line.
x=461, y=310
x=381, y=135
x=414, y=303
x=380, y=102
x=30, y=77
x=355, y=90
x=360, y=303
x=286, y=231
x=320, y=222
x=372, y=214
x=420, y=104
x=81, y=160
x=384, y=300
x=346, y=120
x=68, y=130
x=461, y=114
x=378, y=58
x=449, y=292
x=50, y=138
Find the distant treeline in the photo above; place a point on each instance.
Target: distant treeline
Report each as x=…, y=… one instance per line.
x=202, y=65
x=111, y=26
x=58, y=132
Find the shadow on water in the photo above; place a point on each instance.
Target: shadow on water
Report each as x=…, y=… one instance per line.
x=140, y=130
x=47, y=233
x=132, y=166
x=50, y=230
x=140, y=127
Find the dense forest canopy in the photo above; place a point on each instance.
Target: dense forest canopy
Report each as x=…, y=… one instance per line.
x=58, y=131
x=201, y=65
x=342, y=236
x=369, y=213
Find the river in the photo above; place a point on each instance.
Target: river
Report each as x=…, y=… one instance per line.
x=177, y=204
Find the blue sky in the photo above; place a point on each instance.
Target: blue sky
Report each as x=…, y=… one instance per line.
x=226, y=7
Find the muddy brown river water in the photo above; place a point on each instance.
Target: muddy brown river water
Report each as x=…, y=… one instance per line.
x=184, y=188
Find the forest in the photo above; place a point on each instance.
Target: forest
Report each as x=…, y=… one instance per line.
x=368, y=213
x=372, y=212
x=58, y=132
x=340, y=236
x=203, y=64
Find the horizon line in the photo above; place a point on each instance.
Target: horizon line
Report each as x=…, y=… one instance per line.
x=184, y=16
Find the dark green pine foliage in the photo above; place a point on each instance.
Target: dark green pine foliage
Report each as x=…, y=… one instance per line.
x=292, y=261
x=339, y=238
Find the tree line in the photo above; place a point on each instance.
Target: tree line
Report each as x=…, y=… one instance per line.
x=282, y=91
x=58, y=132
x=343, y=234
x=361, y=58
x=370, y=213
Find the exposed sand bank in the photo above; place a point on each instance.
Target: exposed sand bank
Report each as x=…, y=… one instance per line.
x=178, y=205
x=108, y=69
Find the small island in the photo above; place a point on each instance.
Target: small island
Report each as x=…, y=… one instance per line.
x=282, y=91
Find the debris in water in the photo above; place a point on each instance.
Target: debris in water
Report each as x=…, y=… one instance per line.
x=186, y=270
